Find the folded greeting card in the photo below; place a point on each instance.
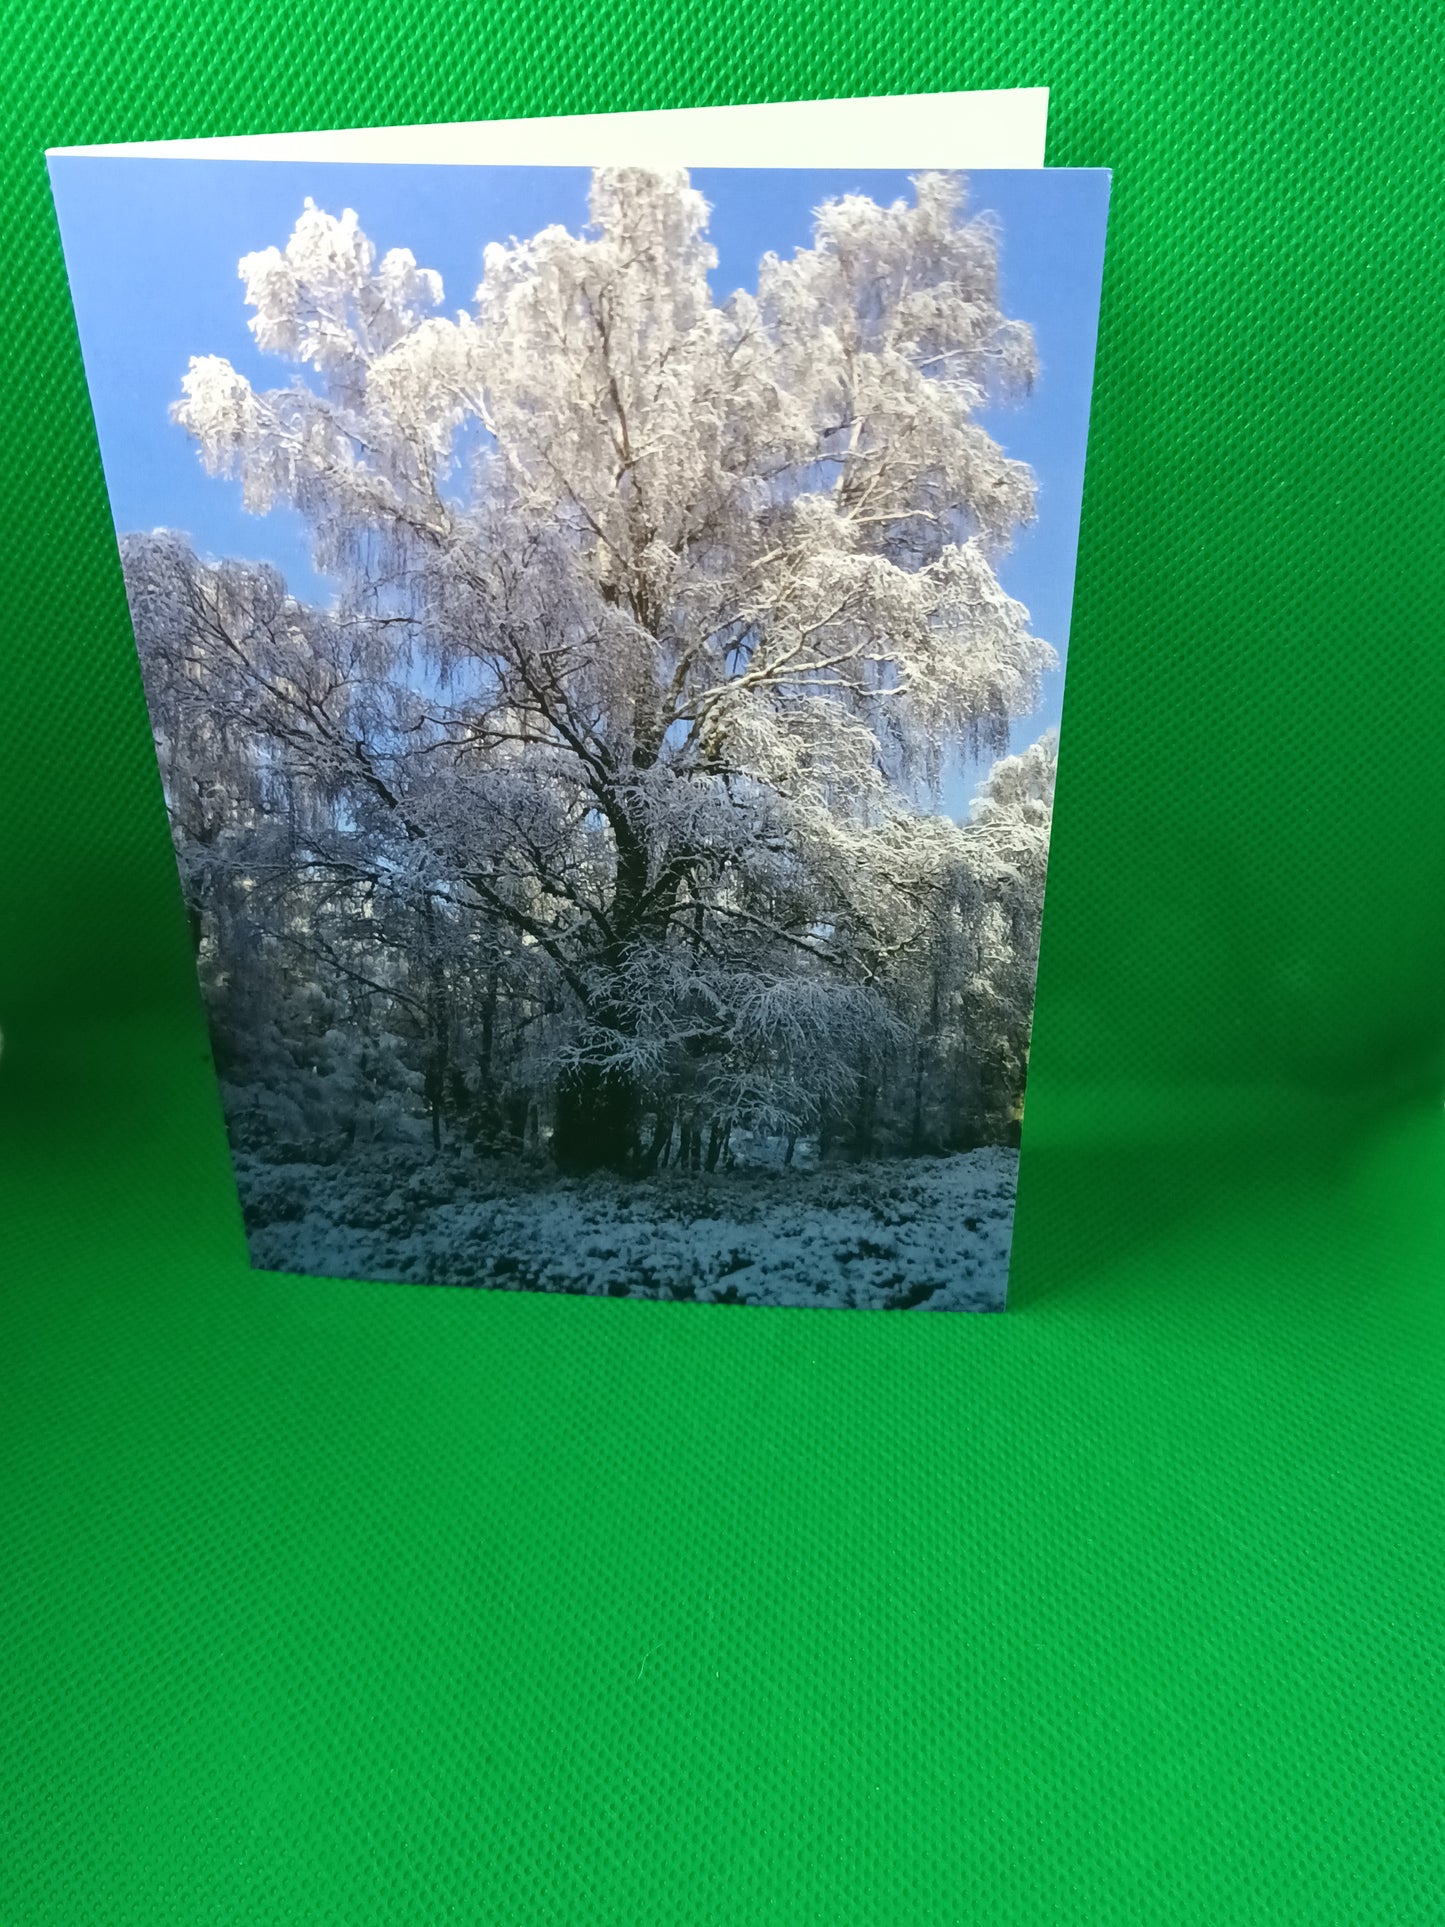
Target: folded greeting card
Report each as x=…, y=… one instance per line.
x=603, y=632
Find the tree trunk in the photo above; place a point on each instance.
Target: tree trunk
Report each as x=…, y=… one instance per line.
x=922, y=1049
x=486, y=1105
x=655, y=1154
x=435, y=1085
x=597, y=1120
x=864, y=1118
x=915, y=1138
x=439, y=1015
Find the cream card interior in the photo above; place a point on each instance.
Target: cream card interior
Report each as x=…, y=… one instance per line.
x=1001, y=128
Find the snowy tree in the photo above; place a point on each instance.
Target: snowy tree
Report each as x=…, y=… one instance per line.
x=606, y=794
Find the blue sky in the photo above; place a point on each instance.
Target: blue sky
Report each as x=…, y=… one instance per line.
x=151, y=247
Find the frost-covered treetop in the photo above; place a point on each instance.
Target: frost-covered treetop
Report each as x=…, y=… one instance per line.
x=323, y=301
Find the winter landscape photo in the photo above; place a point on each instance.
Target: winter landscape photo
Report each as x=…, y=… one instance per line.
x=603, y=636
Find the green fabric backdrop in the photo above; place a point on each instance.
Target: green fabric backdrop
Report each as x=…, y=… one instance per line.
x=333, y=1603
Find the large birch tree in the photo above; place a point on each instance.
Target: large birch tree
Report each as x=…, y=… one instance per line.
x=612, y=777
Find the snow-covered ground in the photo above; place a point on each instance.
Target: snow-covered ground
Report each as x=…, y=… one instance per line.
x=931, y=1233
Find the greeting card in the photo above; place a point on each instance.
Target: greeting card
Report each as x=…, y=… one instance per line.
x=603, y=628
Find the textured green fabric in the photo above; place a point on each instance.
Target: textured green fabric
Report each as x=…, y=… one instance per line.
x=332, y=1603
